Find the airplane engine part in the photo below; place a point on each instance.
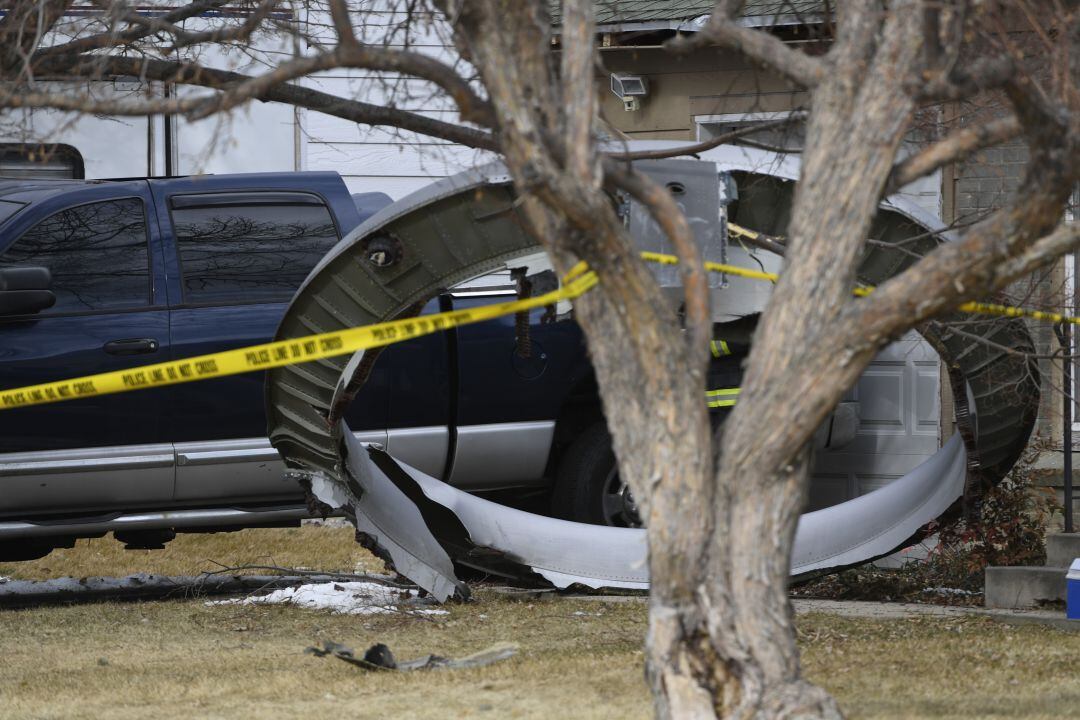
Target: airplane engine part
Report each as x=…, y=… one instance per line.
x=467, y=225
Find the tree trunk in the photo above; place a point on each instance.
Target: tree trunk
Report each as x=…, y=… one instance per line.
x=731, y=651
x=721, y=640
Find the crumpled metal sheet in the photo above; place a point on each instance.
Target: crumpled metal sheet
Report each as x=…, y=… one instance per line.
x=463, y=227
x=426, y=526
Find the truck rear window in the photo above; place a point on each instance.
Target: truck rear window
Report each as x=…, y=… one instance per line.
x=249, y=252
x=9, y=208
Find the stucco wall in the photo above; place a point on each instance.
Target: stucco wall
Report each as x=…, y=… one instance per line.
x=707, y=82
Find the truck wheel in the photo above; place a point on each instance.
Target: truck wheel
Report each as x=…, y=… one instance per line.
x=587, y=485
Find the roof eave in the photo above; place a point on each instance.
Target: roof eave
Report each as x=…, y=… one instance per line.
x=696, y=23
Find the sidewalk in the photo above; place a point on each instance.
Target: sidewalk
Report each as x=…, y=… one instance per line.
x=887, y=610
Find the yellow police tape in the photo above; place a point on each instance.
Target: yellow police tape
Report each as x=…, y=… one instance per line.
x=283, y=352
x=975, y=308
x=341, y=342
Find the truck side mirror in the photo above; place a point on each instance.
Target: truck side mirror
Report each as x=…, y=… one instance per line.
x=25, y=290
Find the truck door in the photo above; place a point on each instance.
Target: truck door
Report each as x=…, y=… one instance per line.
x=419, y=376
x=100, y=245
x=239, y=258
x=509, y=396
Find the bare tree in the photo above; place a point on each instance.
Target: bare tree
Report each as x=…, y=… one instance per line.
x=721, y=525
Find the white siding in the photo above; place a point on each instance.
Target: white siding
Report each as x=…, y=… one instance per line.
x=377, y=158
x=110, y=147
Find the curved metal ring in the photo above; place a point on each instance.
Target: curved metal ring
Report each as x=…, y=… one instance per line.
x=468, y=225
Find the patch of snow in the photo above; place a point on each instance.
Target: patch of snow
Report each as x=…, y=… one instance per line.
x=349, y=598
x=328, y=491
x=949, y=591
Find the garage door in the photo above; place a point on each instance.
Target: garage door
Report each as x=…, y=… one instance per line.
x=899, y=417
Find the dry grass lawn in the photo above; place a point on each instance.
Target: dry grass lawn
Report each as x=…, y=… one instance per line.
x=314, y=547
x=578, y=659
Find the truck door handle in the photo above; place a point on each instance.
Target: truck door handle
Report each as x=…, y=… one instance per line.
x=131, y=346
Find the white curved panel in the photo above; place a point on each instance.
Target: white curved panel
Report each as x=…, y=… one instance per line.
x=878, y=522
x=416, y=519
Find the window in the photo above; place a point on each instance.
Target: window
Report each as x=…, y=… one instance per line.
x=96, y=253
x=40, y=161
x=9, y=208
x=249, y=247
x=785, y=138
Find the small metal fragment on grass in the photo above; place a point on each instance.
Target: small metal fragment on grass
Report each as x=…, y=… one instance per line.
x=380, y=657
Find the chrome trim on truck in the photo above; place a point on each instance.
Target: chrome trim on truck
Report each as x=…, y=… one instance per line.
x=208, y=517
x=241, y=470
x=86, y=459
x=421, y=447
x=225, y=452
x=523, y=450
x=78, y=480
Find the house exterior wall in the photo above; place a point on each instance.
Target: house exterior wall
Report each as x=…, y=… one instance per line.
x=270, y=136
x=706, y=82
x=974, y=188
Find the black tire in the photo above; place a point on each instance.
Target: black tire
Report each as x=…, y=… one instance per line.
x=587, y=487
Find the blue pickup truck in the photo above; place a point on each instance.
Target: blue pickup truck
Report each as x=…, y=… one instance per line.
x=106, y=275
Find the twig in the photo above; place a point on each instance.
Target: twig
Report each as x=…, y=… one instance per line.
x=308, y=573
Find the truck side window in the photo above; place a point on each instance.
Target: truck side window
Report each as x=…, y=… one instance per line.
x=250, y=252
x=96, y=253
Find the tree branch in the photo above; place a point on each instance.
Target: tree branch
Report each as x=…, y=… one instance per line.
x=471, y=106
x=933, y=50
x=339, y=13
x=94, y=67
x=1066, y=238
x=954, y=147
x=113, y=39
x=244, y=31
x=995, y=252
x=758, y=45
x=22, y=27
x=579, y=89
x=708, y=144
x=962, y=83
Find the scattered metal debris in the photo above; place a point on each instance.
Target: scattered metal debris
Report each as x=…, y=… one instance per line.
x=348, y=598
x=143, y=586
x=380, y=657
